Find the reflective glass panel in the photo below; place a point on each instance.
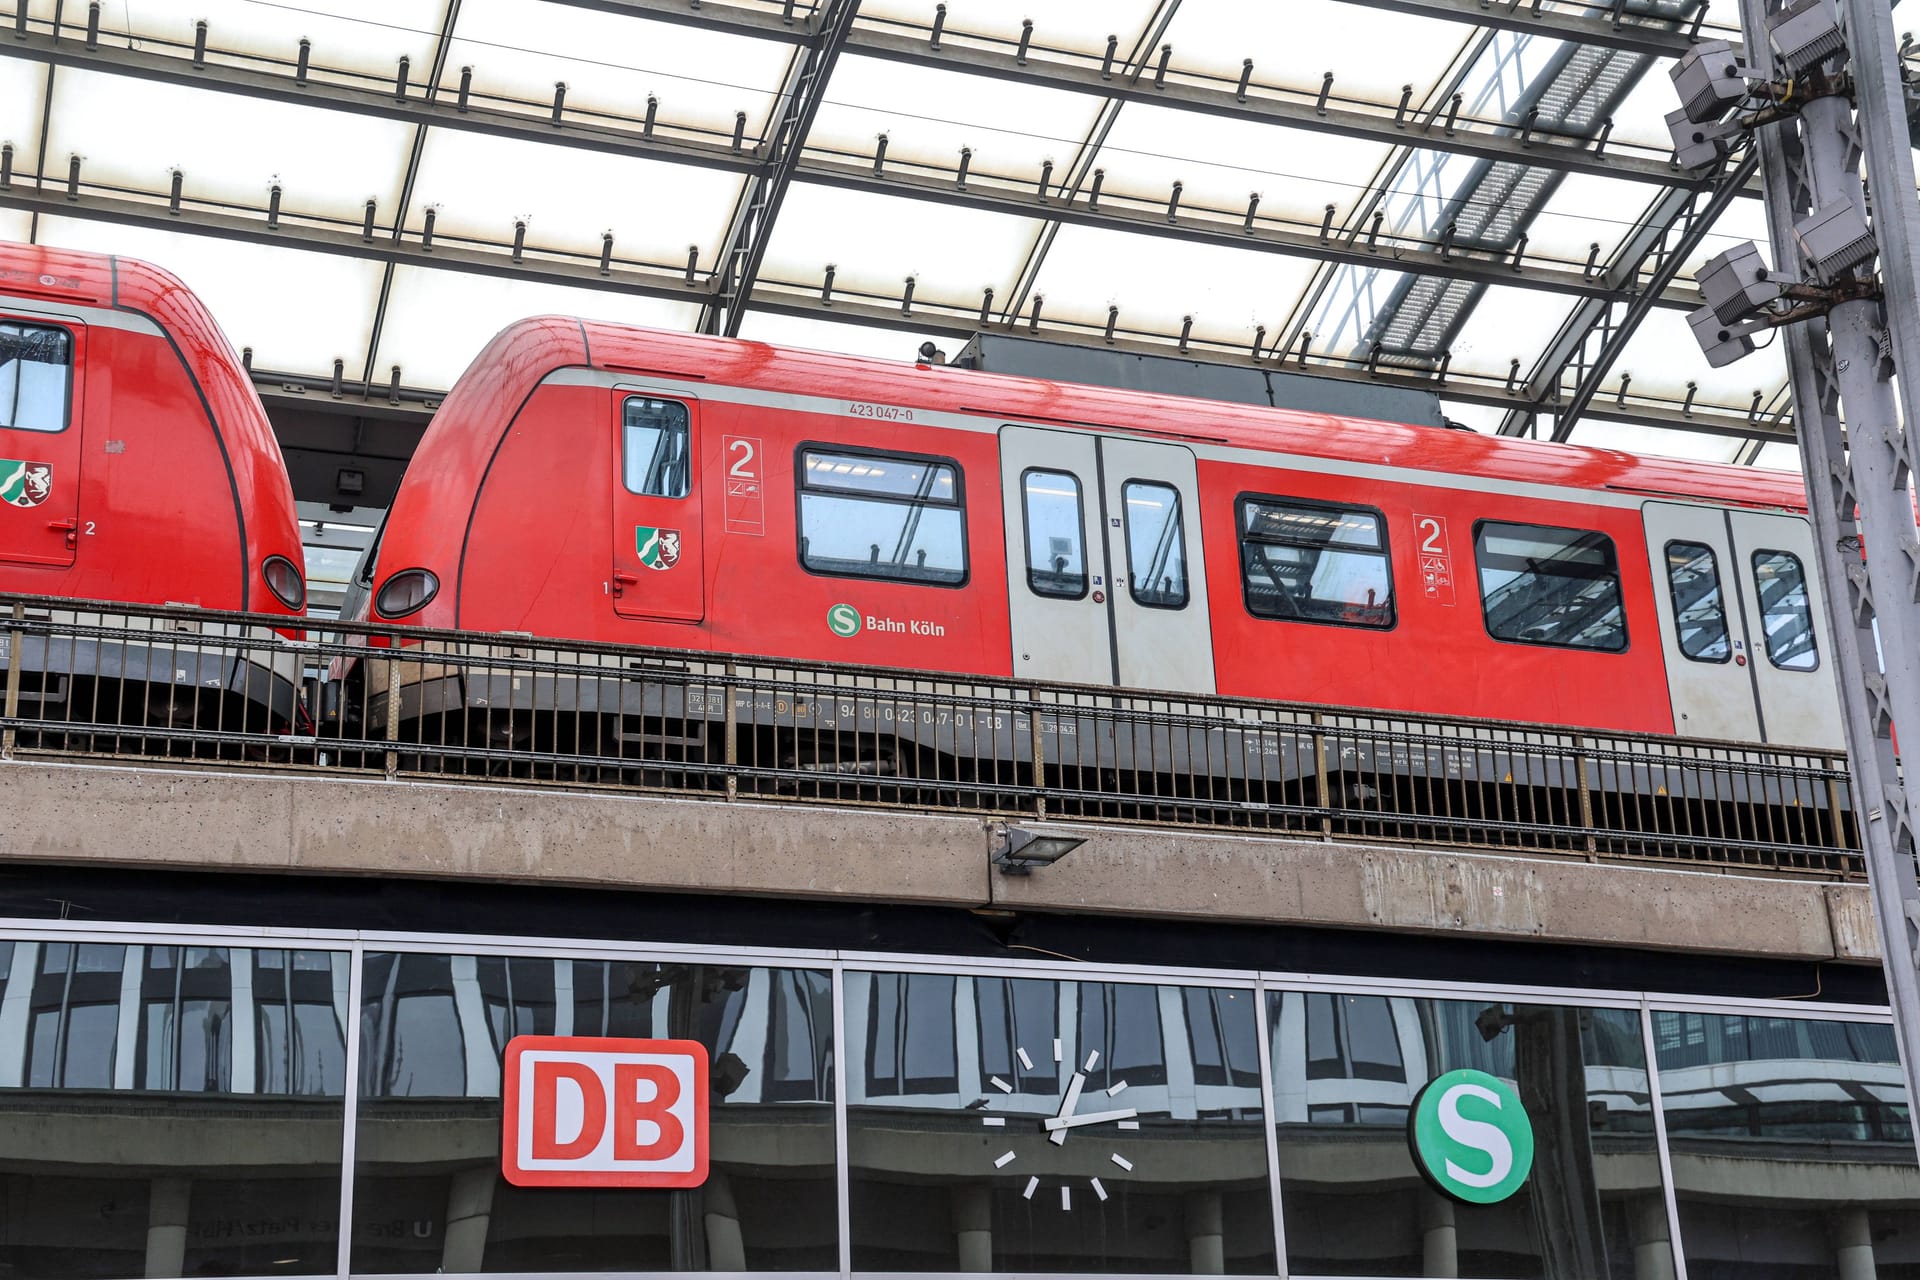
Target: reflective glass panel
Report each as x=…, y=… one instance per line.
x=170, y=1111
x=429, y=1196
x=1792, y=1146
x=1055, y=1126
x=1699, y=616
x=1784, y=611
x=1305, y=562
x=1156, y=545
x=36, y=376
x=1347, y=1071
x=882, y=516
x=656, y=443
x=1540, y=585
x=1056, y=542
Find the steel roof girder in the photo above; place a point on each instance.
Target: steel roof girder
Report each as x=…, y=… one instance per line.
x=985, y=192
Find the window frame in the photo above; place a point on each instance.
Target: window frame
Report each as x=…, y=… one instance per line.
x=74, y=350
x=1619, y=584
x=1180, y=516
x=959, y=503
x=1673, y=596
x=1806, y=589
x=1080, y=516
x=1384, y=551
x=627, y=397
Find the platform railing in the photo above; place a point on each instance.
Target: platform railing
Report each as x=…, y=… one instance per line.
x=184, y=685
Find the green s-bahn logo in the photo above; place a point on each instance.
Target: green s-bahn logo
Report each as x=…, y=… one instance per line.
x=844, y=621
x=1470, y=1137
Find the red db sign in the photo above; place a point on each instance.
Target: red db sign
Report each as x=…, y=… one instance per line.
x=582, y=1111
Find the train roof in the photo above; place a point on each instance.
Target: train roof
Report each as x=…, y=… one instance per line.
x=559, y=341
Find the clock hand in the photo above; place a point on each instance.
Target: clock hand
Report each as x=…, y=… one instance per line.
x=1061, y=1123
x=1067, y=1104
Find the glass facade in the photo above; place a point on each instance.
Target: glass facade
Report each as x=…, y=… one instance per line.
x=174, y=1105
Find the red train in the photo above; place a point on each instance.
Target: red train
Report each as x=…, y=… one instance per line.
x=594, y=482
x=137, y=466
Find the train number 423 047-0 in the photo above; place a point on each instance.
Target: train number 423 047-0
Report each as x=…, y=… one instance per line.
x=884, y=412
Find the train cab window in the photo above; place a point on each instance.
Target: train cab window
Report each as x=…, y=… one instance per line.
x=656, y=446
x=1156, y=545
x=1699, y=616
x=1308, y=562
x=36, y=367
x=1540, y=585
x=882, y=515
x=1056, y=543
x=1784, y=610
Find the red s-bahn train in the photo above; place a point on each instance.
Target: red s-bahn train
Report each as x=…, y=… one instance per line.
x=594, y=482
x=137, y=466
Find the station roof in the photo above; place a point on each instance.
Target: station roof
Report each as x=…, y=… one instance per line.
x=1443, y=193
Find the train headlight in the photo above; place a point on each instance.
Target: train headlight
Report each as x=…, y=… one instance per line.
x=406, y=592
x=284, y=580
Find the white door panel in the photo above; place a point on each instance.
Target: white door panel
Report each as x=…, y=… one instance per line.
x=1056, y=565
x=1159, y=569
x=1703, y=630
x=1792, y=648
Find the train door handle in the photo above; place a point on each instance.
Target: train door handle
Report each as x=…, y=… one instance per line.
x=72, y=528
x=622, y=580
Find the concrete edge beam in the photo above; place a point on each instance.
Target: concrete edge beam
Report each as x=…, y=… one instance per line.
x=261, y=822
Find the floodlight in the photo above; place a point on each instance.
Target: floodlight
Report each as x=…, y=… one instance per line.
x=1807, y=33
x=1737, y=283
x=1834, y=239
x=1018, y=851
x=1708, y=78
x=1697, y=145
x=1721, y=342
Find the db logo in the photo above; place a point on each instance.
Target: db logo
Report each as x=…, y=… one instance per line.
x=583, y=1111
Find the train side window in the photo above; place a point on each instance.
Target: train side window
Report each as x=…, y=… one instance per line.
x=656, y=445
x=1699, y=615
x=1312, y=562
x=1785, y=613
x=895, y=516
x=36, y=376
x=1156, y=545
x=1056, y=544
x=1541, y=585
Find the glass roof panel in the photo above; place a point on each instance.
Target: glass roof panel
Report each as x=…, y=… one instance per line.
x=481, y=184
x=1079, y=28
x=1742, y=220
x=1663, y=357
x=1585, y=209
x=1155, y=281
x=336, y=295
x=23, y=87
x=876, y=242
x=929, y=115
x=437, y=321
x=1297, y=172
x=132, y=133
x=1370, y=53
x=15, y=224
x=611, y=62
x=853, y=339
x=1507, y=323
x=1631, y=437
x=1640, y=121
x=352, y=35
x=1779, y=455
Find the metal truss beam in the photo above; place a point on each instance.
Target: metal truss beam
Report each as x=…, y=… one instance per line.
x=744, y=246
x=533, y=121
x=1591, y=341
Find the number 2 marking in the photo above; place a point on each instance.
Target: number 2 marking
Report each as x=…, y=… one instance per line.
x=89, y=528
x=743, y=465
x=1430, y=545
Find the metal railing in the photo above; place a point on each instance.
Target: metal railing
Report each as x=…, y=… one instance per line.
x=179, y=684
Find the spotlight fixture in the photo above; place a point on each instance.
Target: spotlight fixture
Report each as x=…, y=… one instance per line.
x=1738, y=283
x=1709, y=79
x=1017, y=851
x=1806, y=33
x=1835, y=239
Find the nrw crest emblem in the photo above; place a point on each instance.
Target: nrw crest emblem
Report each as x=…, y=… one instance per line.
x=658, y=548
x=25, y=484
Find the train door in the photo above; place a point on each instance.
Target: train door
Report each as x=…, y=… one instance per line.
x=658, y=571
x=1792, y=648
x=40, y=424
x=1105, y=578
